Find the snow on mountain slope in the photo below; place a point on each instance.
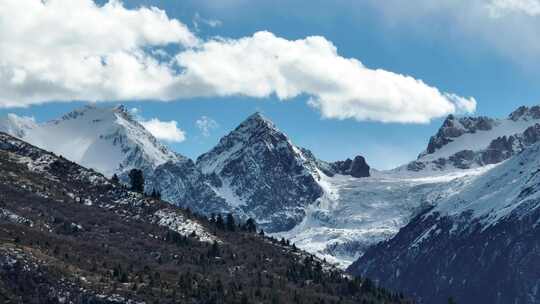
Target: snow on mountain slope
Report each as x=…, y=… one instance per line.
x=16, y=126
x=480, y=139
x=106, y=139
x=499, y=193
x=469, y=142
x=355, y=213
x=479, y=244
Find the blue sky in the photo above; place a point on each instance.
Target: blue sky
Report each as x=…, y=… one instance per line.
x=465, y=54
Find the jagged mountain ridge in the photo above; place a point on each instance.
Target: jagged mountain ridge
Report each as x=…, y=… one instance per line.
x=468, y=142
x=69, y=235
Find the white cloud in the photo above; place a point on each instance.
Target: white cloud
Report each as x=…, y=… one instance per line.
x=464, y=105
x=206, y=124
x=164, y=130
x=264, y=64
x=53, y=51
x=499, y=8
x=198, y=21
x=74, y=49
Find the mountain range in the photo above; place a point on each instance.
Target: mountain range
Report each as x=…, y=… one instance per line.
x=70, y=235
x=468, y=201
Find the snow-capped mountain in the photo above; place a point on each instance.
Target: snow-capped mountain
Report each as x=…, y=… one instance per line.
x=469, y=142
x=354, y=214
x=261, y=173
x=108, y=140
x=479, y=245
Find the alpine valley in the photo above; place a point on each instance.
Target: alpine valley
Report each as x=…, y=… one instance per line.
x=458, y=221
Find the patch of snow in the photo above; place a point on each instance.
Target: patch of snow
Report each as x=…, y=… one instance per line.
x=227, y=193
x=177, y=222
x=14, y=218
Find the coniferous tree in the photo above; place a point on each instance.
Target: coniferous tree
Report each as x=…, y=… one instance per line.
x=220, y=224
x=115, y=179
x=214, y=250
x=231, y=225
x=136, y=178
x=250, y=225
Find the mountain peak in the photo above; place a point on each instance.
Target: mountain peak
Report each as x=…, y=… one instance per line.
x=107, y=139
x=525, y=113
x=258, y=170
x=257, y=116
x=121, y=108
x=253, y=131
x=256, y=120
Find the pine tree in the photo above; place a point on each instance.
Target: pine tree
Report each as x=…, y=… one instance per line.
x=214, y=250
x=250, y=226
x=115, y=179
x=220, y=224
x=231, y=225
x=136, y=178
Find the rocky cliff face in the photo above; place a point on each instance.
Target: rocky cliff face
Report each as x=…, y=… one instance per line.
x=356, y=167
x=261, y=173
x=454, y=127
x=182, y=183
